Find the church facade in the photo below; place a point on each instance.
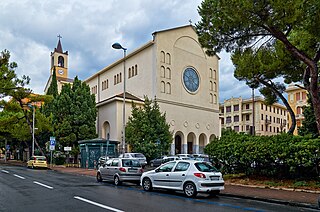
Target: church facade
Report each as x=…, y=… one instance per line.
x=172, y=69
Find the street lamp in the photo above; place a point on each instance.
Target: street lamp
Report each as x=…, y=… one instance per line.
x=118, y=46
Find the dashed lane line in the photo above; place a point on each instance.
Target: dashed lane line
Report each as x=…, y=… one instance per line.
x=18, y=176
x=44, y=185
x=5, y=171
x=97, y=204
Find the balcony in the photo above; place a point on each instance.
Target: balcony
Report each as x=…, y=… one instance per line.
x=267, y=122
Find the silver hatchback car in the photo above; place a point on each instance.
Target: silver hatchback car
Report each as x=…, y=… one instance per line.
x=189, y=176
x=120, y=170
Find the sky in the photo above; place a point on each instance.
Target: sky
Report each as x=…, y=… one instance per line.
x=29, y=30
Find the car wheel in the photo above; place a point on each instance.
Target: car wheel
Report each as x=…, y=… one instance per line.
x=190, y=189
x=99, y=178
x=151, y=164
x=147, y=184
x=214, y=193
x=117, y=181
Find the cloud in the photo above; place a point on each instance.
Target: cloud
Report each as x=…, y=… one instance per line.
x=29, y=29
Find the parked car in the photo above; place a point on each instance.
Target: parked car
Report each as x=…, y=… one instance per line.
x=170, y=158
x=138, y=156
x=157, y=161
x=120, y=170
x=185, y=155
x=37, y=162
x=189, y=176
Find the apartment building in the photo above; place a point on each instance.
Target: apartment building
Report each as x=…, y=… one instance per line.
x=297, y=99
x=253, y=116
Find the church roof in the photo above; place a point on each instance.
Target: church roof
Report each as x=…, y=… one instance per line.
x=59, y=47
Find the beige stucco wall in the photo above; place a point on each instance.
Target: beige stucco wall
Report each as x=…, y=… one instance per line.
x=189, y=114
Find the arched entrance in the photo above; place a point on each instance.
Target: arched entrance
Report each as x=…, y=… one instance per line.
x=191, y=141
x=177, y=144
x=202, y=142
x=105, y=129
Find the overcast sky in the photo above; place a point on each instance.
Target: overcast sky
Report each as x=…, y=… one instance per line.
x=29, y=29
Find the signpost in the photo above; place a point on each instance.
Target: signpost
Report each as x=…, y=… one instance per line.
x=52, y=146
x=67, y=149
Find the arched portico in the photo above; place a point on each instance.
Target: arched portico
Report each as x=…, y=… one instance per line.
x=190, y=145
x=202, y=142
x=177, y=147
x=105, y=129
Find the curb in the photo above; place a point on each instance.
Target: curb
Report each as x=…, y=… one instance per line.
x=282, y=202
x=275, y=188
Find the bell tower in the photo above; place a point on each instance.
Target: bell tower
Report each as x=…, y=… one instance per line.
x=59, y=61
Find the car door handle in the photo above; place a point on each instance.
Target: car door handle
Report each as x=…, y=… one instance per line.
x=183, y=175
x=167, y=175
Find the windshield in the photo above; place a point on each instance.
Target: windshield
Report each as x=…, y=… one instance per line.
x=130, y=163
x=205, y=167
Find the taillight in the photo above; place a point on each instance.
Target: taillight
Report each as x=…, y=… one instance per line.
x=200, y=175
x=122, y=169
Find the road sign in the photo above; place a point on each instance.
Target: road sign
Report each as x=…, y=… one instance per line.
x=52, y=141
x=67, y=148
x=52, y=147
x=8, y=147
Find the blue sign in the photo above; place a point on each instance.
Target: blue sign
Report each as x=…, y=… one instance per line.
x=7, y=147
x=52, y=141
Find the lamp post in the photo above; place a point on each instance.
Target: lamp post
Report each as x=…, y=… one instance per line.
x=118, y=46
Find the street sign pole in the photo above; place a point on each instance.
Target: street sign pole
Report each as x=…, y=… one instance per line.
x=51, y=159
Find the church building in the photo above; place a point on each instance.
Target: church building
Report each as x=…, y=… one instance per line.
x=172, y=69
x=59, y=63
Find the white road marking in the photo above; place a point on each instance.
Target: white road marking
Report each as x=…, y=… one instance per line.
x=19, y=176
x=46, y=186
x=5, y=171
x=98, y=204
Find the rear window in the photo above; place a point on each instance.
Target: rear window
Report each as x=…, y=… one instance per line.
x=138, y=155
x=205, y=167
x=41, y=159
x=130, y=163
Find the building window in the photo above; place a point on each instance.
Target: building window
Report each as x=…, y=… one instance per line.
x=261, y=127
x=211, y=86
x=211, y=98
x=297, y=96
x=162, y=72
x=299, y=110
x=60, y=61
x=261, y=106
x=270, y=108
x=214, y=74
x=236, y=118
x=228, y=109
x=222, y=121
x=114, y=79
x=247, y=118
x=228, y=120
x=135, y=70
x=168, y=59
x=304, y=96
x=163, y=89
x=130, y=73
x=215, y=100
x=236, y=128
x=168, y=74
x=215, y=86
x=261, y=116
x=270, y=129
x=247, y=106
x=236, y=108
x=274, y=110
x=210, y=73
x=168, y=88
x=247, y=127
x=162, y=60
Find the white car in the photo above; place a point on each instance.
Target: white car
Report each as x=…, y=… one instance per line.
x=139, y=156
x=188, y=176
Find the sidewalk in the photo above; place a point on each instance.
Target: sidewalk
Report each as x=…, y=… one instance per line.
x=291, y=197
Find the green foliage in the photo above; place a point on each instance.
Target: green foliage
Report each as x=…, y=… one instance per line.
x=276, y=156
x=309, y=125
x=282, y=38
x=52, y=90
x=147, y=131
x=74, y=114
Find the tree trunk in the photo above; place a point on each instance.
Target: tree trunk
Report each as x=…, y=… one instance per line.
x=285, y=102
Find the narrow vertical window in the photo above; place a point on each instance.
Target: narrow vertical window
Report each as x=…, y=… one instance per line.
x=168, y=88
x=162, y=60
x=162, y=72
x=211, y=98
x=210, y=73
x=211, y=86
x=168, y=59
x=120, y=77
x=215, y=86
x=168, y=74
x=163, y=89
x=136, y=70
x=214, y=74
x=129, y=73
x=215, y=99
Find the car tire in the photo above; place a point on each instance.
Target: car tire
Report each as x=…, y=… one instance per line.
x=147, y=184
x=99, y=178
x=117, y=181
x=189, y=189
x=151, y=164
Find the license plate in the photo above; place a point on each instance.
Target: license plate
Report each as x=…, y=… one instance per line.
x=214, y=177
x=132, y=170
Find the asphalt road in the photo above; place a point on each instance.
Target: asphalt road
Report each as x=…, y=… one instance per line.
x=23, y=189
